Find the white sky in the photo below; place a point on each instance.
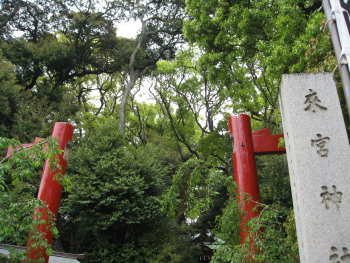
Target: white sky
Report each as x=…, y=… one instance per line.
x=128, y=29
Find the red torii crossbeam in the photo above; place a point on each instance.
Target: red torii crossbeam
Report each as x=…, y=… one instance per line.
x=10, y=149
x=247, y=144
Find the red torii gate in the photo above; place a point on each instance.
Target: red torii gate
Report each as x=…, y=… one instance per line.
x=49, y=189
x=247, y=144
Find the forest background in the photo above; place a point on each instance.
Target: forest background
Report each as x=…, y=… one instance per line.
x=147, y=174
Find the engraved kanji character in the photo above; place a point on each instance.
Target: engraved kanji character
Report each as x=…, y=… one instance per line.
x=313, y=101
x=335, y=258
x=328, y=197
x=321, y=143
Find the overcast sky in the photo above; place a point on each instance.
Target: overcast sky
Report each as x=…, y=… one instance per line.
x=129, y=29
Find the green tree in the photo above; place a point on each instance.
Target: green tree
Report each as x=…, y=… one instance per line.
x=56, y=48
x=160, y=33
x=246, y=47
x=192, y=190
x=200, y=108
x=9, y=10
x=9, y=97
x=112, y=212
x=249, y=45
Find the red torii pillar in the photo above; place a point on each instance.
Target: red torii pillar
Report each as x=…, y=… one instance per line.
x=247, y=144
x=49, y=189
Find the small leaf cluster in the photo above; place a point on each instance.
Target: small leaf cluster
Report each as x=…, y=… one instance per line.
x=24, y=161
x=267, y=240
x=192, y=189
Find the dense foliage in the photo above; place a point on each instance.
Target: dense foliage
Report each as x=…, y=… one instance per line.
x=151, y=166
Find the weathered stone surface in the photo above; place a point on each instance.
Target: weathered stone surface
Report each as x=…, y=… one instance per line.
x=319, y=164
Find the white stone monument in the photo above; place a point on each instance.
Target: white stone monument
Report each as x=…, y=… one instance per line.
x=319, y=166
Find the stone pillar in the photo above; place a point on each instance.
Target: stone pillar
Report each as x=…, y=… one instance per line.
x=319, y=165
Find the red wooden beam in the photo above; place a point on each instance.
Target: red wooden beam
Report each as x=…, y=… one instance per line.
x=266, y=143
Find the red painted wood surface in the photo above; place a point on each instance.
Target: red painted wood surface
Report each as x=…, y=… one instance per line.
x=266, y=143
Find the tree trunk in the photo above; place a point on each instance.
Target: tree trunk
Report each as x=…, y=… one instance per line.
x=134, y=75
